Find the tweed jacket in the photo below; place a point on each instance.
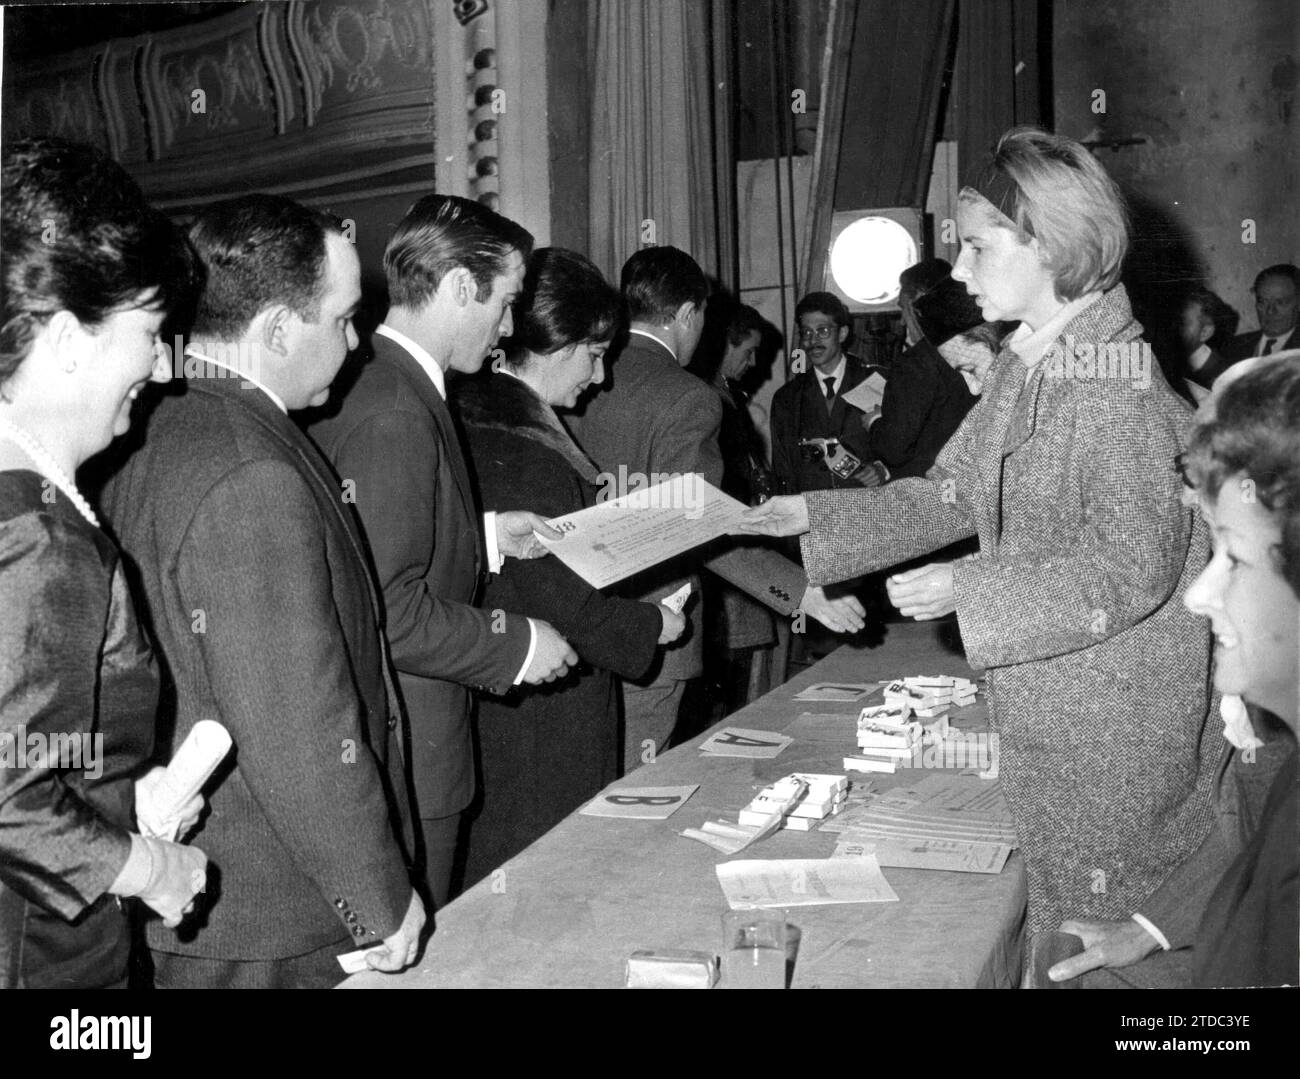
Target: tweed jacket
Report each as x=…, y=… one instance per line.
x=254, y=582
x=393, y=441
x=799, y=411
x=654, y=417
x=1098, y=677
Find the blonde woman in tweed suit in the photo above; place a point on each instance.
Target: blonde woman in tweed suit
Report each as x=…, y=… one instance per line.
x=1098, y=676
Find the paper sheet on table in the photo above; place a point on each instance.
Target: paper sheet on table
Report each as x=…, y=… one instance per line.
x=743, y=742
x=867, y=394
x=607, y=542
x=639, y=803
x=960, y=811
x=803, y=882
x=943, y=854
x=838, y=729
x=846, y=692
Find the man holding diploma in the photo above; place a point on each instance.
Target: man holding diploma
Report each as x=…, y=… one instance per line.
x=656, y=418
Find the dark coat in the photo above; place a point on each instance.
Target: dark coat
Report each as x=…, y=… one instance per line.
x=925, y=402
x=652, y=417
x=1098, y=676
x=1248, y=936
x=393, y=440
x=255, y=584
x=799, y=411
x=1205, y=375
x=545, y=751
x=735, y=619
x=72, y=662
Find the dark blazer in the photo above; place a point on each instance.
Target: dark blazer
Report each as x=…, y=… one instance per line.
x=1244, y=344
x=799, y=411
x=654, y=417
x=1177, y=908
x=393, y=444
x=545, y=752
x=925, y=402
x=1074, y=605
x=73, y=662
x=255, y=583
x=1248, y=936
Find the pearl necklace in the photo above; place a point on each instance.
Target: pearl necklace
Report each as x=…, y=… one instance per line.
x=45, y=463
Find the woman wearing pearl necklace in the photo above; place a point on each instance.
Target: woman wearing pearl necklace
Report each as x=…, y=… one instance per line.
x=90, y=272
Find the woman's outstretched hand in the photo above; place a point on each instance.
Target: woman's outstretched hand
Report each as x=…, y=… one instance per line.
x=784, y=515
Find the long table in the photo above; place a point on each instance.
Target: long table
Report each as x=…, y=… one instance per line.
x=569, y=910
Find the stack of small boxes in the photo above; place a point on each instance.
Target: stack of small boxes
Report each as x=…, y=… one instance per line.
x=803, y=798
x=886, y=732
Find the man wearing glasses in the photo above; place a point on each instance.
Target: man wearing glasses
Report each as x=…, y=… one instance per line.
x=819, y=441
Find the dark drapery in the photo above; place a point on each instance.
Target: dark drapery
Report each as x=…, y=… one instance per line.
x=892, y=103
x=997, y=83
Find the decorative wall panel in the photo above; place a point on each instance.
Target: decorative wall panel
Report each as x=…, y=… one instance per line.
x=313, y=98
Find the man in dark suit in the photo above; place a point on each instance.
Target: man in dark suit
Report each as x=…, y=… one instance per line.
x=453, y=269
x=811, y=405
x=1277, y=303
x=255, y=582
x=654, y=419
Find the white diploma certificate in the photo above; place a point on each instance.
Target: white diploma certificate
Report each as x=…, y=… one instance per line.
x=615, y=539
x=867, y=394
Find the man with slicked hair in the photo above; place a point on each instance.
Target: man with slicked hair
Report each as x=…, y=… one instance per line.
x=453, y=269
x=255, y=581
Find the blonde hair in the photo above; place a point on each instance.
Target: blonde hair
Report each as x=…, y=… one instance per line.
x=1065, y=200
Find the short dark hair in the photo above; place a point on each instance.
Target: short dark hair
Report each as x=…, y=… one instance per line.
x=1282, y=269
x=260, y=251
x=1254, y=431
x=442, y=232
x=945, y=310
x=744, y=320
x=656, y=281
x=921, y=277
x=565, y=301
x=78, y=235
x=824, y=303
x=1214, y=310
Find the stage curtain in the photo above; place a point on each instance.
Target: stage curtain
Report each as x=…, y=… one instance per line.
x=989, y=95
x=892, y=103
x=661, y=166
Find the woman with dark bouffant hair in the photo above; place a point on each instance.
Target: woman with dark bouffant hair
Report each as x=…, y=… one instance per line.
x=547, y=751
x=1243, y=459
x=90, y=272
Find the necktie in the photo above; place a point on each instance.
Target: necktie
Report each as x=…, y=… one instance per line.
x=830, y=392
x=1269, y=346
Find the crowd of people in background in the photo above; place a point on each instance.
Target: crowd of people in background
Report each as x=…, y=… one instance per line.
x=333, y=547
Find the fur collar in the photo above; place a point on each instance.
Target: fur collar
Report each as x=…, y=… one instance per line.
x=501, y=402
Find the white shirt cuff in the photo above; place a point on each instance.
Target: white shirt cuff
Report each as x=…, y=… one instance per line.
x=1147, y=924
x=532, y=647
x=490, y=538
